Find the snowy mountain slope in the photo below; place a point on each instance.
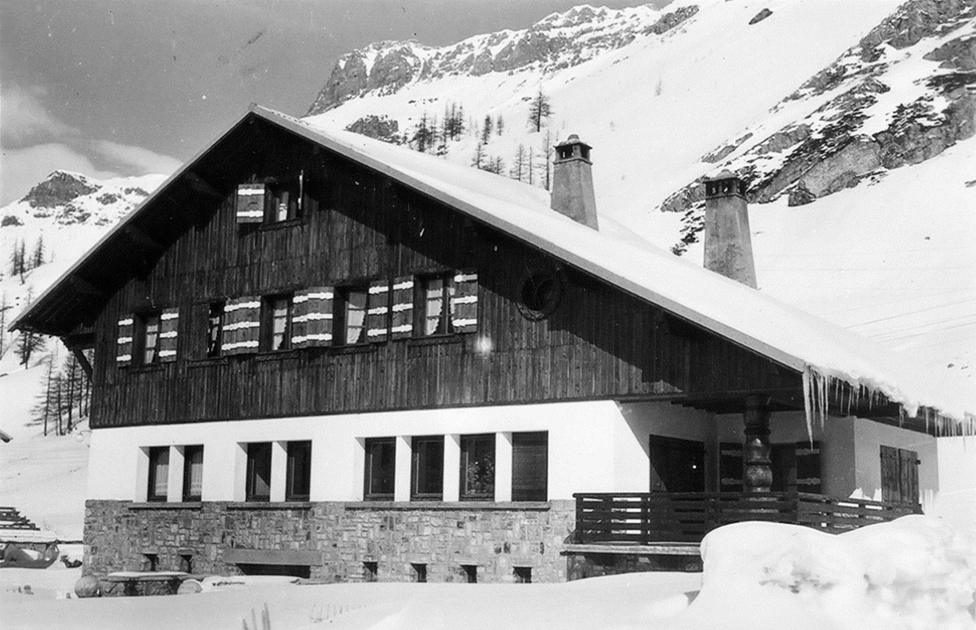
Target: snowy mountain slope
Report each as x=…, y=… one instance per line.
x=66, y=213
x=660, y=109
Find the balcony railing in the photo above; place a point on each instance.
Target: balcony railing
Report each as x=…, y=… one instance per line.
x=644, y=518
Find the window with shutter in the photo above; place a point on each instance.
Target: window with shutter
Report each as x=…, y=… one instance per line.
x=464, y=302
x=250, y=203
x=215, y=328
x=530, y=466
x=899, y=475
x=312, y=317
x=169, y=321
x=377, y=318
x=277, y=318
x=402, y=321
x=351, y=327
x=123, y=351
x=242, y=325
x=146, y=344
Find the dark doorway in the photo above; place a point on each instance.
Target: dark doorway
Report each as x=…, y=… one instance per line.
x=676, y=465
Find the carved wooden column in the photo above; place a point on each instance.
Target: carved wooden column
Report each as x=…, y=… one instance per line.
x=757, y=472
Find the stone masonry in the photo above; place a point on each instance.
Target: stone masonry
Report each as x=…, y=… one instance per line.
x=335, y=539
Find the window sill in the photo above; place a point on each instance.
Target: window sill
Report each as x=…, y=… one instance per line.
x=280, y=225
x=354, y=348
x=482, y=506
x=274, y=355
x=269, y=505
x=151, y=367
x=432, y=340
x=165, y=505
x=220, y=360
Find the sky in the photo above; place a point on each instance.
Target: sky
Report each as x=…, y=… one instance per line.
x=111, y=88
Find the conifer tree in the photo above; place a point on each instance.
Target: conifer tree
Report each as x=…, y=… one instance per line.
x=500, y=125
x=479, y=156
x=486, y=129
x=37, y=257
x=539, y=111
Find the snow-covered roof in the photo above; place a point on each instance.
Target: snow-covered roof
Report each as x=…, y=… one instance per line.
x=817, y=349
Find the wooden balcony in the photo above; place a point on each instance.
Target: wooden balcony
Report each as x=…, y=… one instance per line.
x=685, y=517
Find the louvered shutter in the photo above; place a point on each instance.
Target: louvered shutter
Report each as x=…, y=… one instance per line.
x=402, y=307
x=168, y=325
x=730, y=467
x=250, y=203
x=242, y=325
x=123, y=351
x=464, y=303
x=378, y=305
x=312, y=317
x=808, y=475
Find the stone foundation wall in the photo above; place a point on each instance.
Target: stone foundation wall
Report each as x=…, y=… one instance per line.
x=334, y=538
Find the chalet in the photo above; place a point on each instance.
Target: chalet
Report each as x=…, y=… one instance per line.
x=321, y=355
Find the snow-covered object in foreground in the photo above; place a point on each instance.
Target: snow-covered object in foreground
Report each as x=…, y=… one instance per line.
x=912, y=573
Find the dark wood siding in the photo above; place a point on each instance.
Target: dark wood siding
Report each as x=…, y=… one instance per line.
x=358, y=226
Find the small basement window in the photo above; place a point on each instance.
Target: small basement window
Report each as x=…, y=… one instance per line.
x=523, y=575
x=370, y=572
x=419, y=572
x=293, y=570
x=470, y=573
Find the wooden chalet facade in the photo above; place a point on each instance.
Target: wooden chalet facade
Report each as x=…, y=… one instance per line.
x=310, y=360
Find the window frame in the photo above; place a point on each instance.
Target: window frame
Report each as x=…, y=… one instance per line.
x=292, y=458
x=140, y=338
x=273, y=192
x=251, y=471
x=215, y=311
x=466, y=442
x=269, y=304
x=432, y=469
x=341, y=315
x=154, y=453
x=422, y=299
x=369, y=444
x=187, y=472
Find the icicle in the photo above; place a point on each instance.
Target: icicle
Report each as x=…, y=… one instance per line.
x=808, y=401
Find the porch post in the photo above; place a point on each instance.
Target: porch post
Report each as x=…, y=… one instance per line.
x=757, y=472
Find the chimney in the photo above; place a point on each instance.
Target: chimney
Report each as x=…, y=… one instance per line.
x=728, y=243
x=572, y=182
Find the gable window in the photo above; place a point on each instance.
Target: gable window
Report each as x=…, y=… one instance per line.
x=380, y=467
x=158, y=473
x=427, y=464
x=353, y=321
x=193, y=473
x=282, y=201
x=530, y=466
x=147, y=338
x=277, y=322
x=299, y=471
x=258, y=480
x=437, y=308
x=215, y=329
x=478, y=467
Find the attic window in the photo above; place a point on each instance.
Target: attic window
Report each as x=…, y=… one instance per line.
x=272, y=201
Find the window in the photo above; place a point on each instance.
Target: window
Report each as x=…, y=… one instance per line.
x=277, y=322
x=158, y=473
x=419, y=572
x=353, y=321
x=530, y=475
x=436, y=293
x=147, y=339
x=282, y=201
x=380, y=467
x=478, y=467
x=427, y=464
x=258, y=481
x=186, y=563
x=299, y=474
x=193, y=473
x=523, y=575
x=215, y=329
x=470, y=573
x=370, y=571
x=150, y=562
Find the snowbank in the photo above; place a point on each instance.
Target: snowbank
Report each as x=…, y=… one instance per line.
x=913, y=573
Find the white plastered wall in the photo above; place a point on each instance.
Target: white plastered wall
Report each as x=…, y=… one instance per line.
x=956, y=499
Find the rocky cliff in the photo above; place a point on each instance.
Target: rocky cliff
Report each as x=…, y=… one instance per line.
x=902, y=95
x=561, y=40
x=65, y=198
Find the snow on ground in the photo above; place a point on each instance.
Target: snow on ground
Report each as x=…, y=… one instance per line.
x=915, y=573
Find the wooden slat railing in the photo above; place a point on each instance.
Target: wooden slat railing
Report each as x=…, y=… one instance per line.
x=643, y=518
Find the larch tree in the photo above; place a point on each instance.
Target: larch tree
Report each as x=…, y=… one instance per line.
x=539, y=111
